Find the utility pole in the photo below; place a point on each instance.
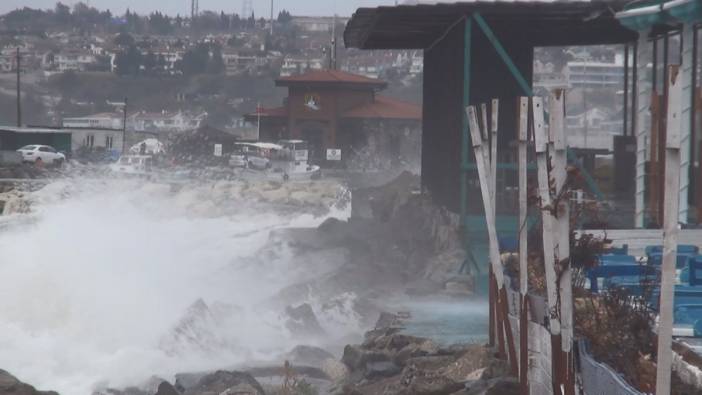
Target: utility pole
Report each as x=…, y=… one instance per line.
x=333, y=46
x=271, y=18
x=124, y=127
x=19, y=97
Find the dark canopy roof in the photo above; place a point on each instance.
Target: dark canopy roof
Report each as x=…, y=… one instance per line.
x=539, y=23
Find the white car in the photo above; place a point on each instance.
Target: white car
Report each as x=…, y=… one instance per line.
x=133, y=165
x=41, y=154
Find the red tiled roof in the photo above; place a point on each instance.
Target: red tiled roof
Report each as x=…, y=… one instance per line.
x=277, y=112
x=386, y=108
x=330, y=77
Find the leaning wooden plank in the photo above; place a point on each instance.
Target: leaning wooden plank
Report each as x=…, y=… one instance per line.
x=485, y=149
x=483, y=174
x=493, y=153
x=670, y=237
x=557, y=133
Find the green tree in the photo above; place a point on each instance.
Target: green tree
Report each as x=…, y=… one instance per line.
x=124, y=40
x=284, y=17
x=215, y=64
x=150, y=63
x=129, y=62
x=195, y=60
x=62, y=13
x=160, y=24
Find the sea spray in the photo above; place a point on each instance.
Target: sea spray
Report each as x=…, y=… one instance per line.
x=107, y=269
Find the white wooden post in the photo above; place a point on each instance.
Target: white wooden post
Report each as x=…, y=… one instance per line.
x=541, y=140
x=643, y=117
x=522, y=168
x=670, y=236
x=485, y=148
x=484, y=176
x=560, y=163
x=522, y=136
x=493, y=154
x=686, y=119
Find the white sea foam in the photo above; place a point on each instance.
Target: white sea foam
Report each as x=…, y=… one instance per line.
x=91, y=287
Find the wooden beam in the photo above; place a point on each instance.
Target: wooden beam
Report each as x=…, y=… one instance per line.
x=670, y=238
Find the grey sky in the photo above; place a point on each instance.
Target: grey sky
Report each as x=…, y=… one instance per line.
x=173, y=7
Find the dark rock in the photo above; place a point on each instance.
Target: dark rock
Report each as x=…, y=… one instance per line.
x=10, y=385
x=497, y=386
x=381, y=369
x=239, y=383
x=302, y=321
x=165, y=388
x=186, y=381
x=389, y=320
x=308, y=355
x=356, y=357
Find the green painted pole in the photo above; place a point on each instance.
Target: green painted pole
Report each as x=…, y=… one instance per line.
x=466, y=133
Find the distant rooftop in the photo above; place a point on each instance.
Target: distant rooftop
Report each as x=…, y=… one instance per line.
x=331, y=77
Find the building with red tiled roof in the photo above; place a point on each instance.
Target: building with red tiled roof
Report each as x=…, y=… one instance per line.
x=333, y=109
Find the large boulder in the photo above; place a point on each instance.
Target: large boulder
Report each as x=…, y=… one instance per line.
x=224, y=382
x=308, y=356
x=165, y=388
x=10, y=385
x=301, y=321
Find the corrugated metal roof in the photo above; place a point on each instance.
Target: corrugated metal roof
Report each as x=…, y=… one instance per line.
x=538, y=23
x=15, y=129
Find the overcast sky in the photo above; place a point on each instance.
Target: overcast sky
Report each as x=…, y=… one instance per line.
x=173, y=7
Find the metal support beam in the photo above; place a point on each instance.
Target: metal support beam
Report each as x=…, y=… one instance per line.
x=503, y=54
x=625, y=129
x=465, y=143
x=642, y=126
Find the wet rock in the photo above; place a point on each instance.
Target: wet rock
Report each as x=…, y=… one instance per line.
x=165, y=388
x=308, y=356
x=224, y=382
x=496, y=386
x=356, y=357
x=381, y=369
x=390, y=320
x=10, y=385
x=335, y=370
x=301, y=321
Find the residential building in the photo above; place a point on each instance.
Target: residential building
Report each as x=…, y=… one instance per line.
x=590, y=74
x=292, y=66
x=237, y=62
x=103, y=120
x=73, y=60
x=142, y=121
x=317, y=23
x=165, y=122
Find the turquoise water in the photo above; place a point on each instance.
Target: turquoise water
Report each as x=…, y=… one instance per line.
x=450, y=322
